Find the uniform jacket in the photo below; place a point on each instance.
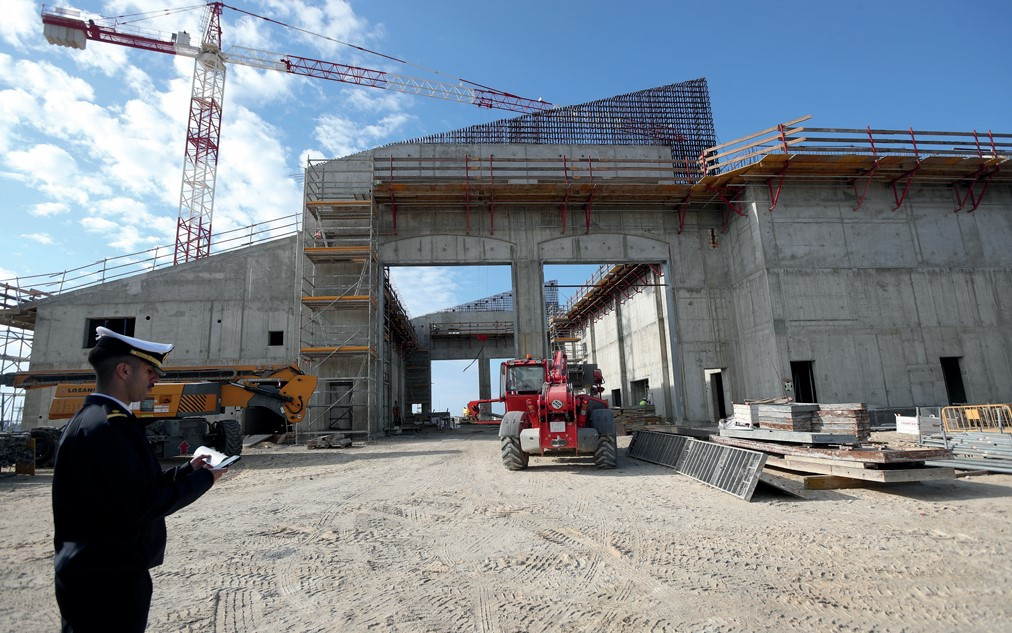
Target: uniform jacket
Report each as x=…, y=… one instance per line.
x=110, y=496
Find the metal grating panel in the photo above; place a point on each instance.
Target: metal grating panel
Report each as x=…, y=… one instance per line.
x=733, y=470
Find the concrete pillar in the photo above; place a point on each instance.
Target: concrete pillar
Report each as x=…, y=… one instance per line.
x=623, y=379
x=529, y=309
x=674, y=343
x=662, y=337
x=484, y=383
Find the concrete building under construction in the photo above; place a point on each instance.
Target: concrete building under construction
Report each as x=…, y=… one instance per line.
x=831, y=265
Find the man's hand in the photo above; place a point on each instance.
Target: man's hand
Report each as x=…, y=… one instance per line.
x=200, y=461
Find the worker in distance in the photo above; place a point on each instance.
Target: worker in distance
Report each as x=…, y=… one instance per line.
x=110, y=495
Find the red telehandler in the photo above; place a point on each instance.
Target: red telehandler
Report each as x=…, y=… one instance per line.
x=545, y=414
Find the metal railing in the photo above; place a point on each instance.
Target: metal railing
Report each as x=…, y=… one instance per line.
x=122, y=266
x=792, y=138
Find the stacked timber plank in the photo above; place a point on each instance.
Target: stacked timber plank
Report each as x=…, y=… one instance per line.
x=637, y=417
x=786, y=417
x=838, y=423
x=850, y=419
x=860, y=462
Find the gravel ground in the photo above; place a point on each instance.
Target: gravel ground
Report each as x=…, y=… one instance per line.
x=430, y=533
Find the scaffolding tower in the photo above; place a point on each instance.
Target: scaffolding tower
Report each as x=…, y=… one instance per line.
x=341, y=307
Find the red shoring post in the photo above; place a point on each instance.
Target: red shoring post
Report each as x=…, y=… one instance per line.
x=908, y=175
x=976, y=140
x=393, y=197
x=970, y=197
x=491, y=199
x=467, y=194
x=728, y=207
x=783, y=139
x=565, y=198
x=775, y=197
x=874, y=167
x=588, y=208
x=683, y=208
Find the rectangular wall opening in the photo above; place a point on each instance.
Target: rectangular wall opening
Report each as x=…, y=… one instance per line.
x=119, y=325
x=803, y=376
x=616, y=397
x=641, y=392
x=953, y=377
x=714, y=379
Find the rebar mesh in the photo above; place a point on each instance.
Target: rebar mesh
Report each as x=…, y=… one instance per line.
x=677, y=115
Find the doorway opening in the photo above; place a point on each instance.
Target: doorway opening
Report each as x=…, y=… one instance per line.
x=714, y=379
x=953, y=377
x=803, y=377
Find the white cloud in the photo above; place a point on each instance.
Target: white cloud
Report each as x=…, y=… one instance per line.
x=41, y=238
x=21, y=24
x=426, y=289
x=372, y=100
x=340, y=136
x=46, y=209
x=254, y=181
x=54, y=171
x=15, y=106
x=332, y=19
x=99, y=225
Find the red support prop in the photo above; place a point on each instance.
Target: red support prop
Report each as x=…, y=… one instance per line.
x=467, y=195
x=588, y=208
x=491, y=200
x=982, y=172
x=898, y=198
x=861, y=195
x=728, y=208
x=775, y=197
x=393, y=198
x=565, y=199
x=683, y=208
x=783, y=137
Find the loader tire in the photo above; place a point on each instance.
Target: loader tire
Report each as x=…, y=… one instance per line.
x=512, y=457
x=46, y=441
x=606, y=455
x=229, y=437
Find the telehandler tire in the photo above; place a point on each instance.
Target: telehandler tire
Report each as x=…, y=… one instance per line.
x=606, y=455
x=229, y=440
x=513, y=458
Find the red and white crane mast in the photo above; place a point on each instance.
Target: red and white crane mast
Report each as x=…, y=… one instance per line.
x=68, y=27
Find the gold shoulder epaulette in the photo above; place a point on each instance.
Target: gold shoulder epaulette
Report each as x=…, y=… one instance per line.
x=115, y=414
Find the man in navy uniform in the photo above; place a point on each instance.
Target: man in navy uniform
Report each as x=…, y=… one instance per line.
x=111, y=497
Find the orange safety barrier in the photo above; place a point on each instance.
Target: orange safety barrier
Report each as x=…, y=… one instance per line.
x=978, y=418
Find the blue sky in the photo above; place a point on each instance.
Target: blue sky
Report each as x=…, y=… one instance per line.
x=91, y=142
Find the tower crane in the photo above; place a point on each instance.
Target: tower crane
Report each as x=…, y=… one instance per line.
x=71, y=28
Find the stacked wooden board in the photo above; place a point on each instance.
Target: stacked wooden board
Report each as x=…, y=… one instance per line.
x=634, y=418
x=786, y=417
x=813, y=466
x=849, y=418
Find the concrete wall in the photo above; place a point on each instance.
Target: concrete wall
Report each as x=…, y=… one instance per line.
x=216, y=311
x=876, y=297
